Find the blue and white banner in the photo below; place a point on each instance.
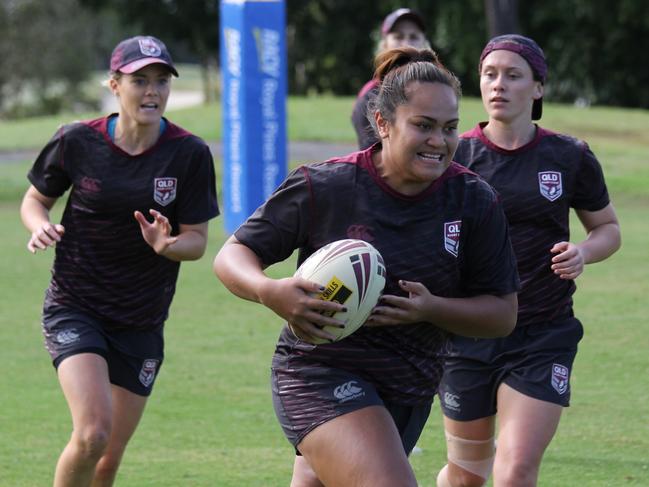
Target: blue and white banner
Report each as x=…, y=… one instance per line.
x=253, y=70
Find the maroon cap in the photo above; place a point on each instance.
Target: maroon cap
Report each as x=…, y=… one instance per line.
x=528, y=50
x=399, y=14
x=137, y=52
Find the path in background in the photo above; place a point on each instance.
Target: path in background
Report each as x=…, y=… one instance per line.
x=299, y=151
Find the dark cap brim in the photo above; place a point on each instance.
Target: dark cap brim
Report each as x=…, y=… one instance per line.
x=537, y=109
x=131, y=68
x=389, y=23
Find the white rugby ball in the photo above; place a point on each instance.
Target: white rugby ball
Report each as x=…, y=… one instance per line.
x=353, y=274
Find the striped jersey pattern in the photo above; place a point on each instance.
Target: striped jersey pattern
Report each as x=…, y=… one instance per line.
x=102, y=265
x=346, y=198
x=539, y=183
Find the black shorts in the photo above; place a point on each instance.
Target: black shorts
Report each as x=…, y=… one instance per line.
x=306, y=396
x=134, y=358
x=534, y=360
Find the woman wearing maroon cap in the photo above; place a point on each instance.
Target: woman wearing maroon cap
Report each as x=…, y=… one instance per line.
x=115, y=269
x=401, y=28
x=523, y=378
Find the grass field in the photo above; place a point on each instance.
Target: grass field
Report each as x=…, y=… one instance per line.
x=210, y=420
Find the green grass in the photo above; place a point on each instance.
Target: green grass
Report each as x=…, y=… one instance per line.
x=210, y=420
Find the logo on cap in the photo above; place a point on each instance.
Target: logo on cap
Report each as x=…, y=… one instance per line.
x=149, y=47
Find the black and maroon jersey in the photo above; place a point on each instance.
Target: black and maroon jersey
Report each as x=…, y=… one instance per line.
x=102, y=264
x=452, y=237
x=364, y=132
x=538, y=184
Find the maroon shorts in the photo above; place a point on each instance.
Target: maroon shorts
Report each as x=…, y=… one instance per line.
x=133, y=357
x=535, y=360
x=308, y=395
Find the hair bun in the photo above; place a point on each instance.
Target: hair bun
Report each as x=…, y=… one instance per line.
x=394, y=58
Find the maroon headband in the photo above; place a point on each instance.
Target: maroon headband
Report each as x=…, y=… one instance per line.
x=523, y=46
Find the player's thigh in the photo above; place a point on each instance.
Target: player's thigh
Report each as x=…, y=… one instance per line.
x=127, y=412
x=86, y=387
x=360, y=448
x=478, y=429
x=525, y=425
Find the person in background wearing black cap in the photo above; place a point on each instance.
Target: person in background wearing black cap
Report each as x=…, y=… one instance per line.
x=115, y=270
x=403, y=27
x=523, y=378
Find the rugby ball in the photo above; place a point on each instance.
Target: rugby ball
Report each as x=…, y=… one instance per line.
x=352, y=273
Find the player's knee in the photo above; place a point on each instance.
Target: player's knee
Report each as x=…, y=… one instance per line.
x=516, y=473
x=303, y=474
x=91, y=441
x=393, y=482
x=471, y=462
x=442, y=477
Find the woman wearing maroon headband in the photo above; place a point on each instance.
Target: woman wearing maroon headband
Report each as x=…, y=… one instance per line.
x=523, y=378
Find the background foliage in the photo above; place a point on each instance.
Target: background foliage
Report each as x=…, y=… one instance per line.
x=594, y=47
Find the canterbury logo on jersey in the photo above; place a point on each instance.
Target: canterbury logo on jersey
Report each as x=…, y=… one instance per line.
x=348, y=390
x=550, y=184
x=452, y=237
x=164, y=190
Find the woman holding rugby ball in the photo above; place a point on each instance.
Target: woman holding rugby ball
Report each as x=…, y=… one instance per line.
x=353, y=409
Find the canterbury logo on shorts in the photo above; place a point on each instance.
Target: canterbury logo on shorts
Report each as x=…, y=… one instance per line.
x=348, y=390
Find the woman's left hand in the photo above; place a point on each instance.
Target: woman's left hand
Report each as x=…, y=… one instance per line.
x=399, y=310
x=156, y=234
x=569, y=261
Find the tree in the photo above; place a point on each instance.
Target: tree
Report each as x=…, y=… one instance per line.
x=595, y=48
x=181, y=24
x=47, y=54
x=502, y=17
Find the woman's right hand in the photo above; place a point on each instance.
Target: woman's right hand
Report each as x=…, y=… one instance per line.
x=293, y=298
x=47, y=235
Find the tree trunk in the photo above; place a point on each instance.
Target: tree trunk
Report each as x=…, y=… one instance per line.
x=502, y=17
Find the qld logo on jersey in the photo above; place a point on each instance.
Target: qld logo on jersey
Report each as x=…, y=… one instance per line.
x=559, y=381
x=452, y=236
x=550, y=184
x=164, y=190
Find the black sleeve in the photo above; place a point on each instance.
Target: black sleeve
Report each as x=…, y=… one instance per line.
x=364, y=132
x=590, y=191
x=490, y=262
x=48, y=174
x=281, y=224
x=197, y=199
